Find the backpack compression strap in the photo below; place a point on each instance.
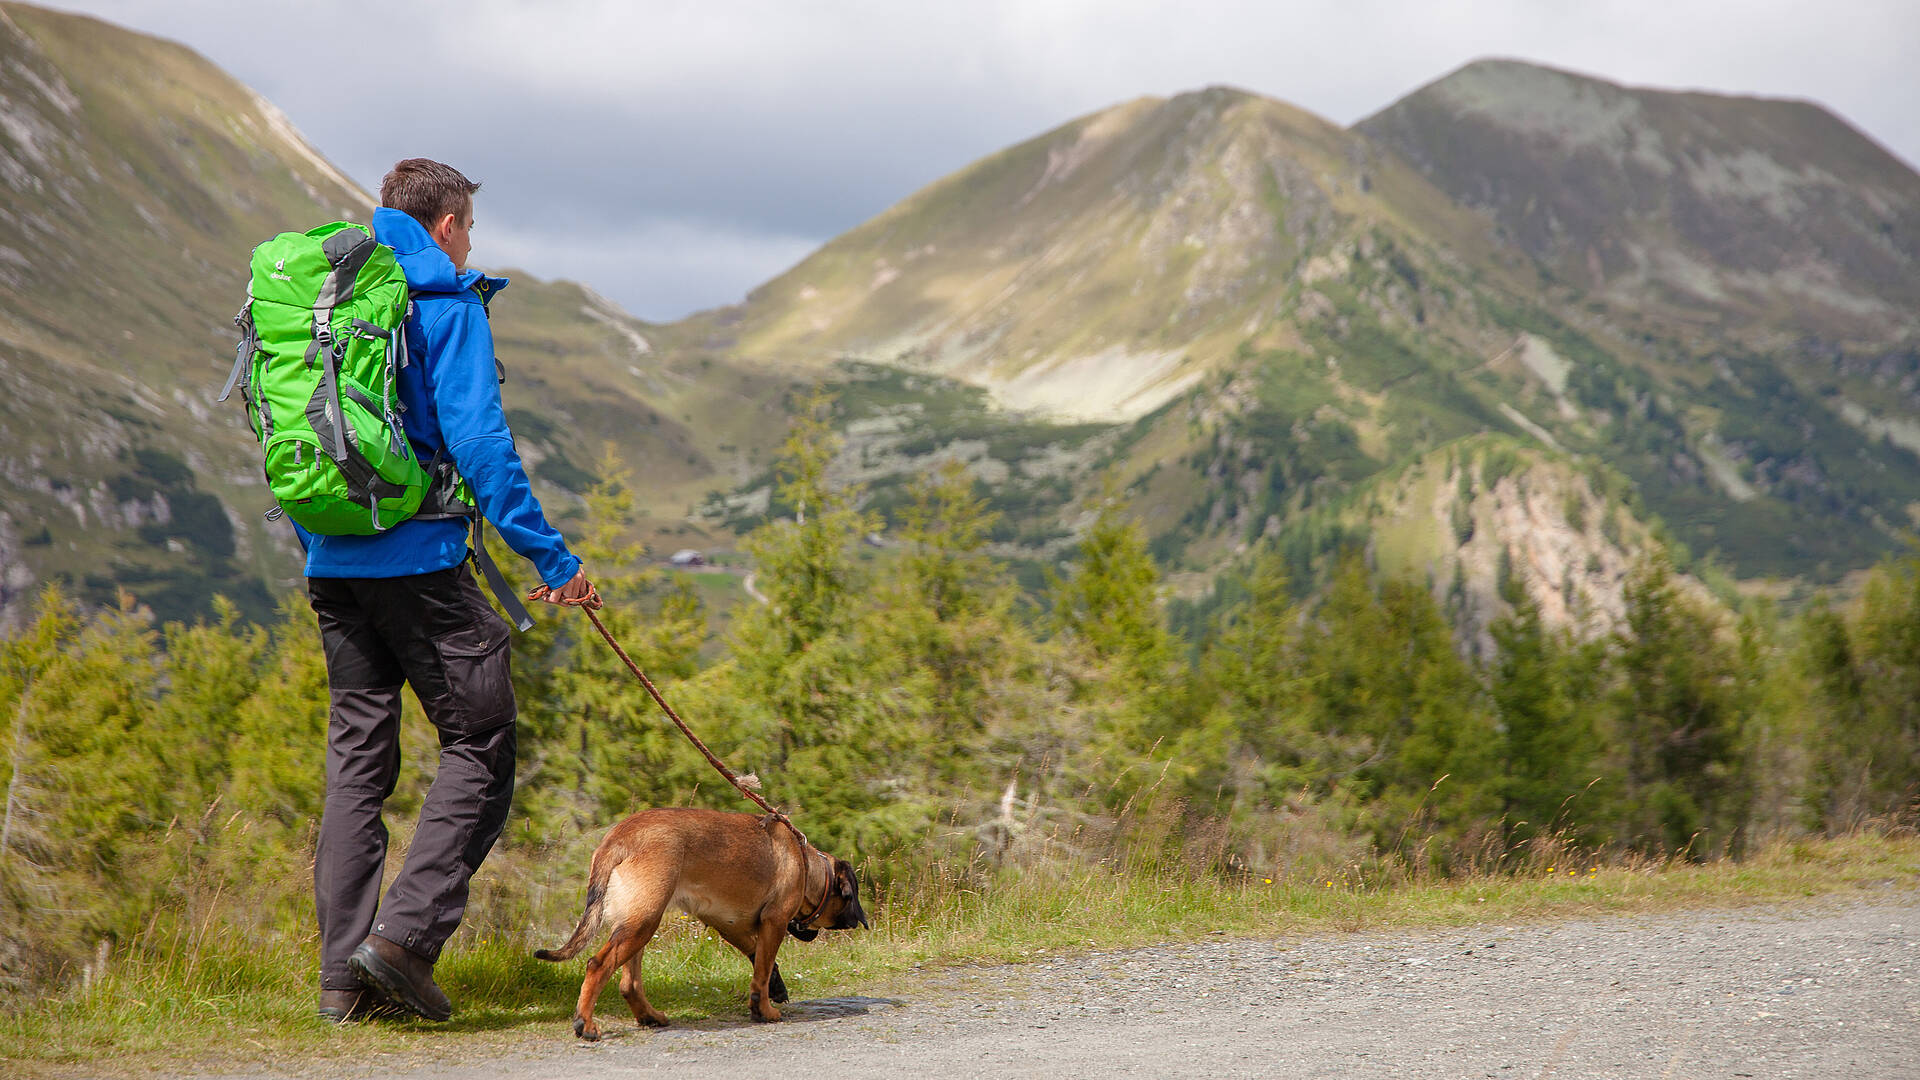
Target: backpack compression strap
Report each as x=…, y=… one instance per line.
x=497, y=581
x=347, y=251
x=243, y=353
x=442, y=504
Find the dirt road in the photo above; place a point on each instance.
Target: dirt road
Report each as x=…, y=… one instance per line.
x=1831, y=991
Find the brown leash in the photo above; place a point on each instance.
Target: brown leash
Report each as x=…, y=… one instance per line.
x=739, y=784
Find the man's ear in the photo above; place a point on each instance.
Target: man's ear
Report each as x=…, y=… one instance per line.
x=442, y=231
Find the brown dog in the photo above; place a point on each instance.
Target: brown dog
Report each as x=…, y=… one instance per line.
x=748, y=876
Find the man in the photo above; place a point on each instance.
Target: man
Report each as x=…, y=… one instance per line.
x=400, y=607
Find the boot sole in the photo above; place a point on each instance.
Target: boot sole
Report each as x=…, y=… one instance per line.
x=391, y=986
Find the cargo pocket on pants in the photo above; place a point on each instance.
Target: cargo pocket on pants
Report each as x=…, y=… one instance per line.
x=479, y=678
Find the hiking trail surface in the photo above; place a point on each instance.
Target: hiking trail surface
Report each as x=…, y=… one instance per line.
x=1824, y=990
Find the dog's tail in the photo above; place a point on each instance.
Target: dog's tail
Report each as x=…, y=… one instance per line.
x=589, y=919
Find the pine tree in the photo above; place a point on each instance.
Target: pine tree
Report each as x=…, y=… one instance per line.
x=1869, y=674
x=1127, y=675
x=1675, y=731
x=1541, y=683
x=1111, y=600
x=276, y=788
x=211, y=670
x=1402, y=727
x=600, y=749
x=1252, y=745
x=947, y=618
x=36, y=923
x=811, y=701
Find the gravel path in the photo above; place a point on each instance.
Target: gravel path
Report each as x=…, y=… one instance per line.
x=1821, y=992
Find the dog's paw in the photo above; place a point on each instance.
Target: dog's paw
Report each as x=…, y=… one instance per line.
x=762, y=1011
x=655, y=1019
x=586, y=1029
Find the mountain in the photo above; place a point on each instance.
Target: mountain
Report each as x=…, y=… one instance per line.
x=1741, y=212
x=1276, y=316
x=130, y=194
x=1098, y=271
x=1505, y=333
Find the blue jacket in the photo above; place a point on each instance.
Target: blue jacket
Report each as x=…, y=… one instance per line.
x=450, y=401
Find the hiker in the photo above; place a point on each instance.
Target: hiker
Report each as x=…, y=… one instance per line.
x=401, y=606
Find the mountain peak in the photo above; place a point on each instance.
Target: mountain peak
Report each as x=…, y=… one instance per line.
x=1099, y=269
x=1537, y=100
x=1696, y=201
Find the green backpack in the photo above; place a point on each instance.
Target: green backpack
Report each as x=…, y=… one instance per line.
x=322, y=341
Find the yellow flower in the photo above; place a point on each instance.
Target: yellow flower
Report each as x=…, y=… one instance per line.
x=1549, y=869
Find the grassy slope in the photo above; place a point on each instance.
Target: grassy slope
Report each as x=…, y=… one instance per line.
x=1344, y=318
x=146, y=183
x=227, y=1004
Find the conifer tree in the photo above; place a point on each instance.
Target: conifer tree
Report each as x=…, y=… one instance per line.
x=1781, y=702
x=949, y=614
x=1869, y=673
x=35, y=921
x=813, y=703
x=603, y=750
x=1675, y=730
x=1126, y=678
x=276, y=788
x=1402, y=727
x=1252, y=745
x=1542, y=683
x=1110, y=601
x=211, y=670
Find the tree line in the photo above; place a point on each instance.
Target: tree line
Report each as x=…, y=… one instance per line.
x=916, y=704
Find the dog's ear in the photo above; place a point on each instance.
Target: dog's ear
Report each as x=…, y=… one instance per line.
x=849, y=884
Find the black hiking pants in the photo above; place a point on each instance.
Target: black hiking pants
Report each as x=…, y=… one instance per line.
x=436, y=633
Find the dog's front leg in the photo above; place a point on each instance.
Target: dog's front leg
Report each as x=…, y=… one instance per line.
x=760, y=998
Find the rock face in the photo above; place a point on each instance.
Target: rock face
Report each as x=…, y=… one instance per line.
x=1542, y=528
x=1740, y=206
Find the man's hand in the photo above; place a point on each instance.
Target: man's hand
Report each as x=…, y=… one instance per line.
x=576, y=593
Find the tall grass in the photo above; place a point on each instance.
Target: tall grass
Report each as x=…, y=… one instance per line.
x=217, y=988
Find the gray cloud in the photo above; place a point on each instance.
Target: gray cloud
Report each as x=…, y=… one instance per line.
x=675, y=154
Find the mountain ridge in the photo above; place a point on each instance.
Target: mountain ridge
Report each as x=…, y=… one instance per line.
x=1732, y=201
x=130, y=192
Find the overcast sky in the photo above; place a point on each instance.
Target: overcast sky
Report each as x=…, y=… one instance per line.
x=675, y=154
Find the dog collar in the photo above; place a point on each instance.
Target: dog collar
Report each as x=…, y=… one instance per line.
x=797, y=926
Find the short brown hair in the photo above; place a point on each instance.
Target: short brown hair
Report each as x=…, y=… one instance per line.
x=426, y=190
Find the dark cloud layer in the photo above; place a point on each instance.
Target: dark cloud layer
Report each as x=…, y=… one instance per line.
x=675, y=154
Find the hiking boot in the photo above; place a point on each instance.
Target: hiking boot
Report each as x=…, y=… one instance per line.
x=399, y=978
x=348, y=1006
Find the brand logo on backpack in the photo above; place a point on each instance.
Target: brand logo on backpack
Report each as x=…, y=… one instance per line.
x=279, y=271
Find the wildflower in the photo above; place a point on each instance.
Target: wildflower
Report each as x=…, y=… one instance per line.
x=1549, y=869
x=1267, y=880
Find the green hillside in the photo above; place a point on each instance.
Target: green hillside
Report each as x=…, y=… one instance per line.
x=130, y=194
x=1278, y=315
